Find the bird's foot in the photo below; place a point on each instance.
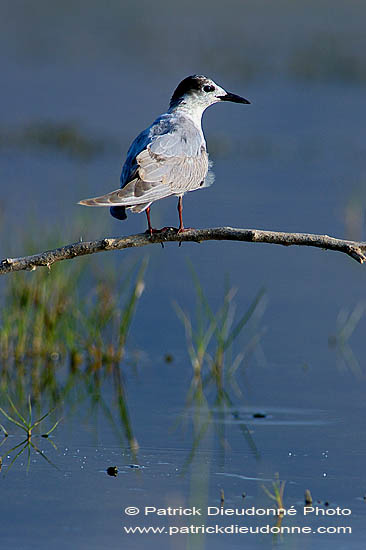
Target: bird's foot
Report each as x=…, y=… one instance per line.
x=184, y=229
x=167, y=229
x=163, y=232
x=151, y=231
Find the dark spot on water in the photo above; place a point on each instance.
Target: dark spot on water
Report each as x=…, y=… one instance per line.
x=168, y=358
x=112, y=471
x=259, y=415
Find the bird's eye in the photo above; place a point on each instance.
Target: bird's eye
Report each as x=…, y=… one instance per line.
x=208, y=88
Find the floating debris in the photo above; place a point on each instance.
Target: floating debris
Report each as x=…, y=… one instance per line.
x=259, y=415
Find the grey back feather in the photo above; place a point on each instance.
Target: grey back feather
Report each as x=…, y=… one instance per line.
x=168, y=158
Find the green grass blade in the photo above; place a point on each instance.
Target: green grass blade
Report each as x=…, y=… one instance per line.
x=43, y=455
x=42, y=418
x=17, y=412
x=28, y=459
x=131, y=305
x=25, y=445
x=53, y=428
x=29, y=411
x=4, y=430
x=244, y=320
x=13, y=420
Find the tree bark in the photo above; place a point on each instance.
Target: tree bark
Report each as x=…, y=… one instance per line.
x=355, y=250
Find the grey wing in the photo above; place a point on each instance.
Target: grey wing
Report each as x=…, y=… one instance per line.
x=177, y=158
x=161, y=126
x=129, y=170
x=169, y=159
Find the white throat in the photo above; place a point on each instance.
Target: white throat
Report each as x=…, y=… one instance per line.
x=193, y=109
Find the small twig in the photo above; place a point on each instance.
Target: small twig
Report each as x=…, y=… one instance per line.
x=355, y=250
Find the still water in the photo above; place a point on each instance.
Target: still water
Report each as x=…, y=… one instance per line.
x=291, y=408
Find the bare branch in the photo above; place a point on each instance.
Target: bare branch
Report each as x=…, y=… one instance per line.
x=355, y=250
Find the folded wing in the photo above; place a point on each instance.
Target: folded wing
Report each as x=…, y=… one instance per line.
x=171, y=163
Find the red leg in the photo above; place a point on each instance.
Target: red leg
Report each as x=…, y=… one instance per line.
x=180, y=210
x=149, y=228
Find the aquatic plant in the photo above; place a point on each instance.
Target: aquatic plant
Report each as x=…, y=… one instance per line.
x=26, y=423
x=278, y=488
x=62, y=333
x=51, y=320
x=210, y=339
x=211, y=336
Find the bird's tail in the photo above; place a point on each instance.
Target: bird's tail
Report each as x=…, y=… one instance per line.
x=110, y=199
x=118, y=201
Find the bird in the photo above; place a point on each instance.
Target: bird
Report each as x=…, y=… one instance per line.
x=170, y=156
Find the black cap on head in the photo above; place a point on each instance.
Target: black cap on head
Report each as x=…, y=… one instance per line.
x=189, y=84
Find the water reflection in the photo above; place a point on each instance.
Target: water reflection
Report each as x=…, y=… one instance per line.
x=289, y=166
x=210, y=339
x=28, y=425
x=60, y=365
x=346, y=323
x=60, y=348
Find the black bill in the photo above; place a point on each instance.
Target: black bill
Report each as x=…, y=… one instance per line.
x=234, y=98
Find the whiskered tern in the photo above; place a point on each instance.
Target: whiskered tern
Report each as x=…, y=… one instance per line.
x=170, y=156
